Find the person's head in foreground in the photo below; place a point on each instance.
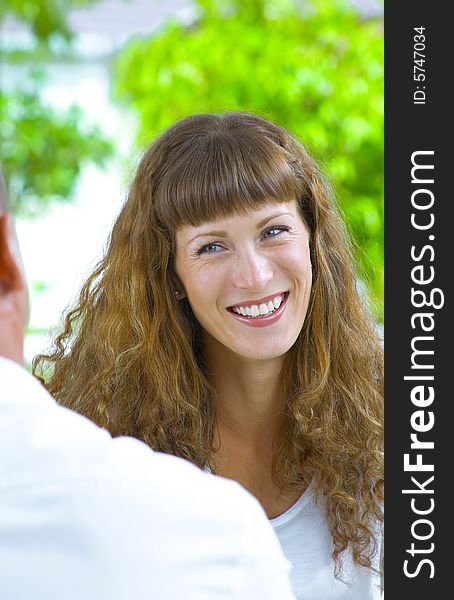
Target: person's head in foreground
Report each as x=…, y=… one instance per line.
x=83, y=515
x=13, y=287
x=224, y=325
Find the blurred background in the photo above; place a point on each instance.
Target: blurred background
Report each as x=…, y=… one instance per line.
x=87, y=84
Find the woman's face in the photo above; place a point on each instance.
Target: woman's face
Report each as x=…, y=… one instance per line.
x=248, y=279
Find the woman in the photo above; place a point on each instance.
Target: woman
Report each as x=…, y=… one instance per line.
x=224, y=326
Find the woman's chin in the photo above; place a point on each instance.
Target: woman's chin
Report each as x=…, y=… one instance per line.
x=268, y=351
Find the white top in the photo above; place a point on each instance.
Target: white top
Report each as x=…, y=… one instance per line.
x=85, y=516
x=304, y=536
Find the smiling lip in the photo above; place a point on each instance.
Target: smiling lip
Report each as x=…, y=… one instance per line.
x=258, y=302
x=265, y=320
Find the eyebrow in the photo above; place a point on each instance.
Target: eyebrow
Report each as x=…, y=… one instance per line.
x=223, y=234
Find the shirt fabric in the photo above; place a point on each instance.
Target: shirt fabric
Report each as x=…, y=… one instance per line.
x=304, y=536
x=83, y=515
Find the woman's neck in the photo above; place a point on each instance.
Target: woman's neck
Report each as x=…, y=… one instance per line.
x=250, y=410
x=249, y=401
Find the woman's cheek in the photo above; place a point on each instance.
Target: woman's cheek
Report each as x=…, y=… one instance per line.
x=295, y=258
x=203, y=283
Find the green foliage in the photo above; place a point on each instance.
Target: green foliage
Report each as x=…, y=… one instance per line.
x=315, y=69
x=41, y=149
x=45, y=17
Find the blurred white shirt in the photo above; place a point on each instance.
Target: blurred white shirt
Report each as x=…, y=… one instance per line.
x=85, y=516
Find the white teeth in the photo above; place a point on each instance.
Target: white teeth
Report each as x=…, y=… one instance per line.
x=263, y=308
x=255, y=311
x=278, y=301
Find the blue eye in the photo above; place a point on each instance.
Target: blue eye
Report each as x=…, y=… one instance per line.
x=273, y=232
x=208, y=249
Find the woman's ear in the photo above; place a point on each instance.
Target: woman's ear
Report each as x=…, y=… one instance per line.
x=177, y=287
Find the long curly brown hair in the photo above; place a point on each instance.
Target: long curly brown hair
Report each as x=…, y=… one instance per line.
x=129, y=356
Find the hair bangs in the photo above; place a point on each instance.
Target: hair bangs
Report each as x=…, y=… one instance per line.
x=221, y=173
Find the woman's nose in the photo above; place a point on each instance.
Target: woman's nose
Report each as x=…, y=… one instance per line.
x=252, y=271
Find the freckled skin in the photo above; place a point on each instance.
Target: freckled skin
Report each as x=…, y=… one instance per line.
x=261, y=253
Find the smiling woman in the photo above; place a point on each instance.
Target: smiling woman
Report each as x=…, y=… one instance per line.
x=252, y=270
x=224, y=325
